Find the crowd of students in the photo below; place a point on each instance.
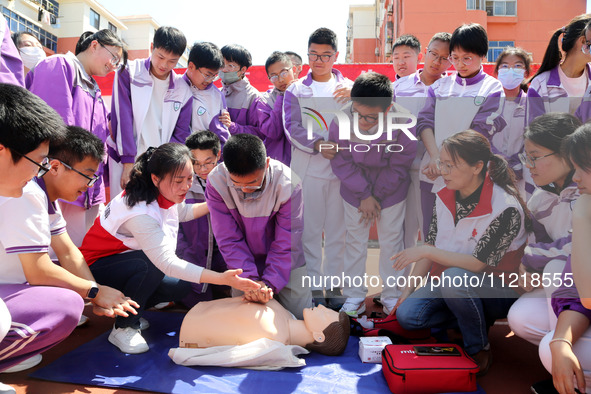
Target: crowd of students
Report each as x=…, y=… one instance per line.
x=213, y=188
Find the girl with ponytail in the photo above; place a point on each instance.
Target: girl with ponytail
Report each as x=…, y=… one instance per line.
x=559, y=83
x=478, y=230
x=67, y=84
x=551, y=205
x=132, y=244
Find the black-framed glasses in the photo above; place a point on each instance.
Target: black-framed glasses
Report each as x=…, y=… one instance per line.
x=313, y=57
x=371, y=119
x=531, y=161
x=43, y=166
x=209, y=78
x=91, y=180
x=282, y=75
x=115, y=60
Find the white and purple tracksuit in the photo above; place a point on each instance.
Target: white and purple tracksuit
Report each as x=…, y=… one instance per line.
x=455, y=104
x=531, y=316
x=42, y=316
x=377, y=169
x=197, y=245
x=63, y=83
x=260, y=232
x=207, y=108
x=132, y=95
x=546, y=93
x=269, y=108
x=11, y=65
x=241, y=98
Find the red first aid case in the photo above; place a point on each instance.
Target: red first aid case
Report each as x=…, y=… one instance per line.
x=408, y=373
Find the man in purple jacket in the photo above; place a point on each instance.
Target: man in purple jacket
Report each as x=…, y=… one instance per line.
x=255, y=204
x=11, y=65
x=269, y=107
x=373, y=165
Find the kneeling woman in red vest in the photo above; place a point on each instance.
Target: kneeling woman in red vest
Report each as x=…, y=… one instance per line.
x=474, y=246
x=132, y=243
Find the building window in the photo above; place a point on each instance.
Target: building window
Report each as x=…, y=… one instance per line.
x=95, y=19
x=475, y=4
x=18, y=23
x=113, y=28
x=501, y=8
x=495, y=48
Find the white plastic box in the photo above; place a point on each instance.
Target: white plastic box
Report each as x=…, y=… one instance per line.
x=370, y=348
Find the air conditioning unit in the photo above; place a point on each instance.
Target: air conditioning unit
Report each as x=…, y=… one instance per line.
x=391, y=9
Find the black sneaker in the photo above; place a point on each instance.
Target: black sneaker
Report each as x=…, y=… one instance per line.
x=543, y=387
x=318, y=296
x=335, y=299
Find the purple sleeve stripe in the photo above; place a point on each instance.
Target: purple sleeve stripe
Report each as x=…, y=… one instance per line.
x=27, y=249
x=58, y=231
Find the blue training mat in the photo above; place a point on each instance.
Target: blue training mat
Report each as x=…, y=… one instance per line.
x=154, y=371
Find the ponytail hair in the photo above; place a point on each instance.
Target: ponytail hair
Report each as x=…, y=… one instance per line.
x=570, y=34
x=168, y=159
x=473, y=147
x=103, y=37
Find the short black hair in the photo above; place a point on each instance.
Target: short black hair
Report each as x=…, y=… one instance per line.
x=408, y=40
x=441, y=36
x=577, y=147
x=17, y=37
x=237, y=53
x=324, y=36
x=373, y=90
x=206, y=55
x=471, y=38
x=244, y=154
x=290, y=53
x=77, y=145
x=26, y=121
x=204, y=140
x=277, y=57
x=170, y=39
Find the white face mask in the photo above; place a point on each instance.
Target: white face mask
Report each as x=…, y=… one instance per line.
x=31, y=56
x=511, y=77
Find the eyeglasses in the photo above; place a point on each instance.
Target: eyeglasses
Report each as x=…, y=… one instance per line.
x=438, y=58
x=91, y=181
x=205, y=166
x=249, y=187
x=455, y=60
x=43, y=167
x=517, y=66
x=115, y=60
x=372, y=119
x=282, y=75
x=231, y=67
x=209, y=78
x=444, y=168
x=531, y=161
x=585, y=47
x=323, y=58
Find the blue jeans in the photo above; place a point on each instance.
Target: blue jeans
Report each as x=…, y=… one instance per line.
x=470, y=308
x=137, y=277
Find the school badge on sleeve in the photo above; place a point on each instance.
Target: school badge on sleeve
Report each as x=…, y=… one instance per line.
x=177, y=105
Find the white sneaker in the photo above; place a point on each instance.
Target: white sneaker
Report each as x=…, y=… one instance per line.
x=26, y=364
x=83, y=320
x=354, y=306
x=163, y=305
x=144, y=324
x=389, y=304
x=128, y=340
x=6, y=389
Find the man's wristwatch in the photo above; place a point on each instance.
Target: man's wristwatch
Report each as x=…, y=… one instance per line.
x=92, y=292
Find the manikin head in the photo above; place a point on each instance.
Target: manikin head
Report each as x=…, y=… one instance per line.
x=329, y=329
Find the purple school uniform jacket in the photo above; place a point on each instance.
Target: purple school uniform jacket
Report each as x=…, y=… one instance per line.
x=241, y=99
x=61, y=81
x=269, y=110
x=259, y=232
x=375, y=168
x=11, y=65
